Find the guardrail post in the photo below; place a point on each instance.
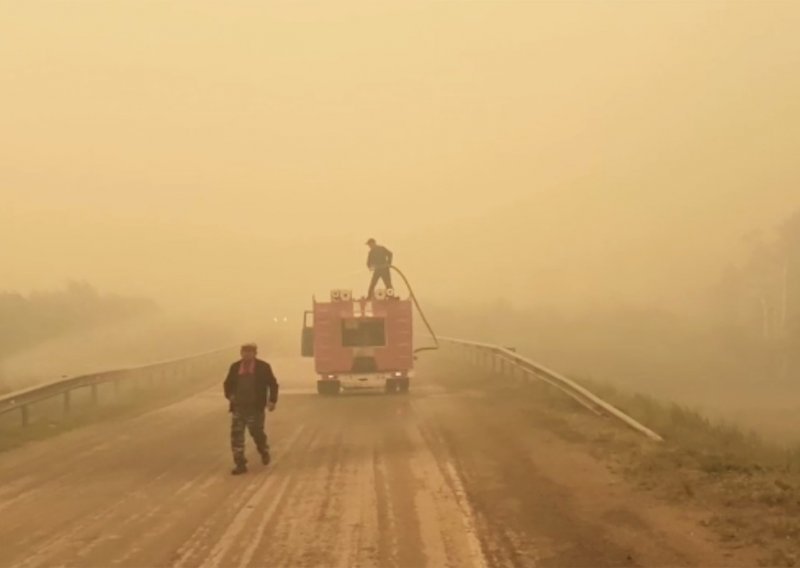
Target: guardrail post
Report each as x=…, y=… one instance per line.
x=25, y=416
x=67, y=395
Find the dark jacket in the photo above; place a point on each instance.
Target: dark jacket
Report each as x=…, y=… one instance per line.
x=379, y=257
x=266, y=383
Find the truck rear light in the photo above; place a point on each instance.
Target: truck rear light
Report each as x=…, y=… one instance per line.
x=330, y=376
x=398, y=374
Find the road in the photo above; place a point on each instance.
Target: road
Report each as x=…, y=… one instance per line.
x=444, y=477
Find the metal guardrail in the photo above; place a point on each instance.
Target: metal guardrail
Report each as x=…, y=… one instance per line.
x=173, y=371
x=503, y=360
x=499, y=359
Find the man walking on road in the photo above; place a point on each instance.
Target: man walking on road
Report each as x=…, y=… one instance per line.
x=379, y=261
x=250, y=387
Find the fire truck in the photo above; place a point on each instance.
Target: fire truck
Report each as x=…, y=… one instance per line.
x=359, y=343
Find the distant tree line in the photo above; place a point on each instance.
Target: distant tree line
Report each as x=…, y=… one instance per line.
x=763, y=293
x=28, y=320
x=759, y=300
x=747, y=330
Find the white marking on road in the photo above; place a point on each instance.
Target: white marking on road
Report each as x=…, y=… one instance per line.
x=258, y=534
x=239, y=522
x=438, y=480
x=467, y=517
x=192, y=546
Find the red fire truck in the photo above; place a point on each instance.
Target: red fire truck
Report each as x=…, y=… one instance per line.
x=359, y=343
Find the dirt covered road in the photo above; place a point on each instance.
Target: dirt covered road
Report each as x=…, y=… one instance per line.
x=456, y=474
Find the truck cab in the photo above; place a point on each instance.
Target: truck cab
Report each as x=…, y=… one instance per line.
x=360, y=344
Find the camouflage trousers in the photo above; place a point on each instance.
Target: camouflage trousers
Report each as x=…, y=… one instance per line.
x=252, y=420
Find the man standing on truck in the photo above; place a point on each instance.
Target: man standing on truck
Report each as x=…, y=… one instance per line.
x=250, y=387
x=379, y=262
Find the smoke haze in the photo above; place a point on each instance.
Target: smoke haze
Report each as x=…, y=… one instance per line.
x=201, y=153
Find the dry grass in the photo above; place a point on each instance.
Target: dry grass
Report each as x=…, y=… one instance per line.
x=717, y=445
x=750, y=486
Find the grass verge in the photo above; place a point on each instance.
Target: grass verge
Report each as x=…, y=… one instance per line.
x=749, y=486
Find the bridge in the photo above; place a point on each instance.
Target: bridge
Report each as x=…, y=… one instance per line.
x=491, y=460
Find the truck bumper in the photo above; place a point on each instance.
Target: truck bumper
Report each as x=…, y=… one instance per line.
x=371, y=381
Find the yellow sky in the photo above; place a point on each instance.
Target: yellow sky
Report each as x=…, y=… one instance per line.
x=156, y=147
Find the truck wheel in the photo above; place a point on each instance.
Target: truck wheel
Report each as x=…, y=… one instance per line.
x=391, y=386
x=328, y=388
x=403, y=385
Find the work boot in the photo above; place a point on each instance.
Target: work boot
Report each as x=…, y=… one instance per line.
x=239, y=469
x=265, y=457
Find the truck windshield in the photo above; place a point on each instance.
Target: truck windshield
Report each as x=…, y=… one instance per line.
x=363, y=333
